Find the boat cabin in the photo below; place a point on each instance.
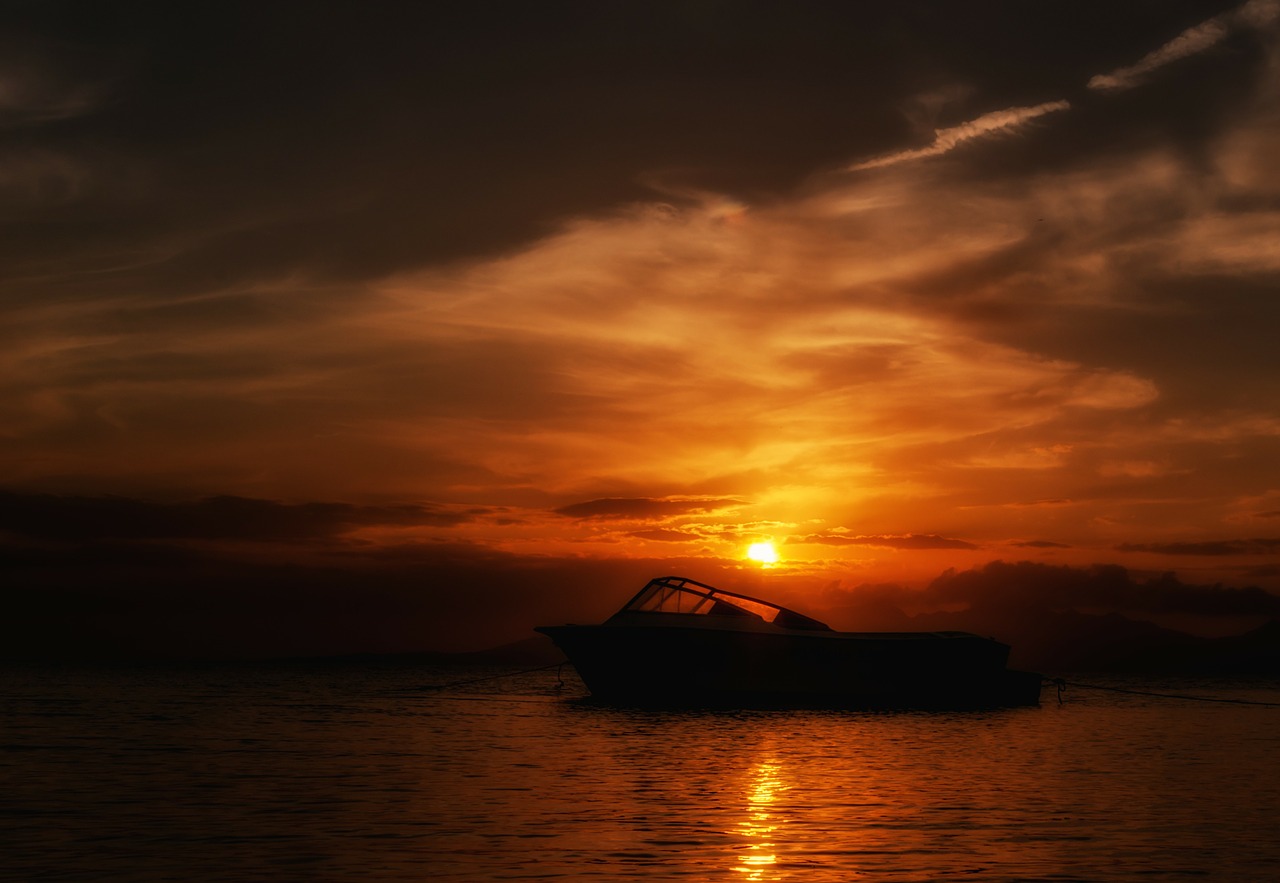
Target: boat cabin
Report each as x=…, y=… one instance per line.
x=676, y=594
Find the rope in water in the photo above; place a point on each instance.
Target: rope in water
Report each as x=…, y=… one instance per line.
x=497, y=677
x=1062, y=685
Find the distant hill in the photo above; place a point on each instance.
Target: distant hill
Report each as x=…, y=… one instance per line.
x=1254, y=653
x=1115, y=643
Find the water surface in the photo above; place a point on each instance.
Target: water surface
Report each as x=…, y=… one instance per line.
x=345, y=772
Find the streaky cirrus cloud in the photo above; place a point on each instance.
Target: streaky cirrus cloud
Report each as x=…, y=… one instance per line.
x=998, y=122
x=664, y=535
x=645, y=508
x=73, y=518
x=1253, y=546
x=907, y=541
x=1192, y=41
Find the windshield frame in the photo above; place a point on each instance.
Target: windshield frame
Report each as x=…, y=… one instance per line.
x=684, y=596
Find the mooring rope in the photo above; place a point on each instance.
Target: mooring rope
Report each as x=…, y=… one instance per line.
x=1062, y=685
x=497, y=677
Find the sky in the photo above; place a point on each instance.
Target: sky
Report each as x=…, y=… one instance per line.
x=379, y=326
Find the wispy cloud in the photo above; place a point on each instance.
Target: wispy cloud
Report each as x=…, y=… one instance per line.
x=73, y=518
x=1192, y=41
x=907, y=541
x=1257, y=546
x=37, y=87
x=644, y=508
x=995, y=123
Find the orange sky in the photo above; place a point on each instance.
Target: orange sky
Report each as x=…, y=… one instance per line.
x=980, y=313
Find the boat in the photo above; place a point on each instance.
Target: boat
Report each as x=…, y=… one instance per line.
x=682, y=643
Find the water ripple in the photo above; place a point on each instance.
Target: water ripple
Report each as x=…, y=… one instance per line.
x=296, y=772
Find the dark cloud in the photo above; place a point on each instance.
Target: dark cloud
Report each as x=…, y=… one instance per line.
x=642, y=508
x=1065, y=618
x=1014, y=586
x=1259, y=546
x=353, y=143
x=1212, y=314
x=907, y=541
x=72, y=518
x=663, y=535
x=297, y=137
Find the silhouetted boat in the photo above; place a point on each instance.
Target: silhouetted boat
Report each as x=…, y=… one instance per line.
x=679, y=642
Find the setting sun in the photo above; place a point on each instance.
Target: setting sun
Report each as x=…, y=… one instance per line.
x=763, y=553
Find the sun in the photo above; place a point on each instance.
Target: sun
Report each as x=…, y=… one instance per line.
x=763, y=552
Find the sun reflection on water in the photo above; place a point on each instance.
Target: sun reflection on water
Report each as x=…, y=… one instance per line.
x=758, y=858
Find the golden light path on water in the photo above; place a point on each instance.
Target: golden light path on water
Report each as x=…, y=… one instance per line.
x=758, y=858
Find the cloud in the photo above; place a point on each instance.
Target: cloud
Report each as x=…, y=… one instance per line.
x=990, y=124
x=1258, y=546
x=666, y=535
x=1192, y=41
x=41, y=178
x=907, y=541
x=664, y=343
x=37, y=88
x=1100, y=587
x=1041, y=544
x=1257, y=13
x=810, y=345
x=75, y=518
x=644, y=508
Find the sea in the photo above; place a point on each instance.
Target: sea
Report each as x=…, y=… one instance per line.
x=367, y=770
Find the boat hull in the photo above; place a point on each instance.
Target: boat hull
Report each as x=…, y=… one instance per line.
x=658, y=666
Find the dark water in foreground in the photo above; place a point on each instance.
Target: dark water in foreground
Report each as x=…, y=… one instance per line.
x=355, y=773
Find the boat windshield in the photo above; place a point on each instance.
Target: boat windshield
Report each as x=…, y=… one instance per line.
x=675, y=594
